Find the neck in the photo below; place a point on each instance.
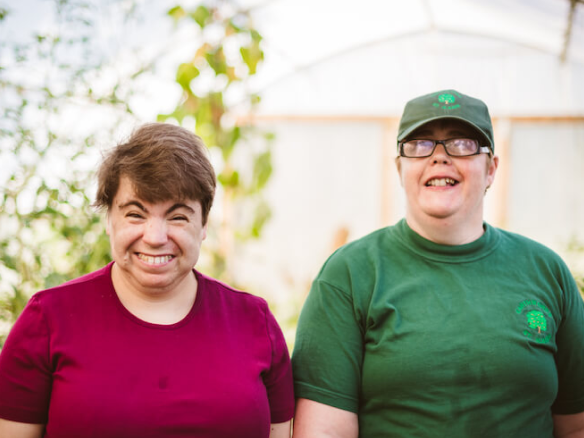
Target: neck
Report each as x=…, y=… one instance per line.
x=447, y=231
x=156, y=306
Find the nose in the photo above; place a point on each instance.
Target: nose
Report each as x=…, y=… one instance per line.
x=155, y=233
x=440, y=156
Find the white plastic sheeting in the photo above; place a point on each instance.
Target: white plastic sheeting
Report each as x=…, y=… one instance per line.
x=337, y=75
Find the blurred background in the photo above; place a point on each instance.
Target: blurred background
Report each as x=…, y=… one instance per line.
x=298, y=102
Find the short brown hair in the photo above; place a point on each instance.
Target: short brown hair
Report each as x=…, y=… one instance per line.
x=163, y=162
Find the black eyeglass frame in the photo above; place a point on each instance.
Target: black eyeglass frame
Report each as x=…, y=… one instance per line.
x=480, y=149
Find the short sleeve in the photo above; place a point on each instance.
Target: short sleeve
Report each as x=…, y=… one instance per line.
x=328, y=352
x=25, y=376
x=278, y=379
x=570, y=353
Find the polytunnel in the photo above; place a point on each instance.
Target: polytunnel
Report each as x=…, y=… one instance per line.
x=335, y=78
x=337, y=75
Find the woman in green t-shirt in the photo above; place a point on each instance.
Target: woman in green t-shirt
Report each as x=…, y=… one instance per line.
x=442, y=325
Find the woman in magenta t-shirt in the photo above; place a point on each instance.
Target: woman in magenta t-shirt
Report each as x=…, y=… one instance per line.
x=147, y=346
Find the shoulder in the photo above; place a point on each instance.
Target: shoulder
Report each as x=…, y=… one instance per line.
x=75, y=290
x=368, y=245
x=512, y=242
x=522, y=250
x=372, y=242
x=237, y=308
x=230, y=297
x=67, y=305
x=358, y=255
x=102, y=274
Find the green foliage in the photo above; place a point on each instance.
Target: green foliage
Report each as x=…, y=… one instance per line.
x=227, y=55
x=49, y=232
x=177, y=13
x=201, y=15
x=252, y=54
x=185, y=74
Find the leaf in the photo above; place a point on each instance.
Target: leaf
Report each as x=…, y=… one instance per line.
x=185, y=74
x=217, y=61
x=234, y=136
x=255, y=36
x=203, y=115
x=201, y=16
x=255, y=99
x=3, y=13
x=252, y=55
x=228, y=178
x=262, y=215
x=9, y=262
x=262, y=170
x=177, y=13
x=229, y=141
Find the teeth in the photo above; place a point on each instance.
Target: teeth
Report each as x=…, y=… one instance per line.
x=441, y=182
x=158, y=260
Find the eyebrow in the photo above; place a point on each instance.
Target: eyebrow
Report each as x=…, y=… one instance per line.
x=180, y=205
x=145, y=210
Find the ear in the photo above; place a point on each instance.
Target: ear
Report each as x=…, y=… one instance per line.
x=204, y=232
x=492, y=170
x=398, y=165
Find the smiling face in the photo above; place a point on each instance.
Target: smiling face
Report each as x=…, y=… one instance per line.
x=442, y=190
x=154, y=246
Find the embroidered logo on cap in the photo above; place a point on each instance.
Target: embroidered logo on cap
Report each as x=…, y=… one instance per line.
x=446, y=101
x=537, y=320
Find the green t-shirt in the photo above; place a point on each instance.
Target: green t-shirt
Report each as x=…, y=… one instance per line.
x=425, y=340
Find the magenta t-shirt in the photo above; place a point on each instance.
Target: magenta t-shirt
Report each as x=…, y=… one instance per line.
x=79, y=362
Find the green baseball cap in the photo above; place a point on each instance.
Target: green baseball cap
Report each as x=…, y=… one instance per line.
x=446, y=104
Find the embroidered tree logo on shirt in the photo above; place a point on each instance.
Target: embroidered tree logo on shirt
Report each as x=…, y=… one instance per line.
x=536, y=320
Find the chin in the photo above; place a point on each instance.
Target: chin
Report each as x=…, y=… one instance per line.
x=155, y=281
x=439, y=213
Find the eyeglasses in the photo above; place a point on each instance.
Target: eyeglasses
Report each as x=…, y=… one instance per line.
x=455, y=147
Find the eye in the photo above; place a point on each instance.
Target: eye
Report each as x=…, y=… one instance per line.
x=179, y=218
x=134, y=215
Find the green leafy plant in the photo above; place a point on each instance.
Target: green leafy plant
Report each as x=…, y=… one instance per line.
x=214, y=96
x=48, y=231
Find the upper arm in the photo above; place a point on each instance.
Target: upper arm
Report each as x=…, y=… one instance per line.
x=570, y=351
x=315, y=420
x=278, y=379
x=280, y=430
x=569, y=426
x=13, y=429
x=328, y=353
x=26, y=368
